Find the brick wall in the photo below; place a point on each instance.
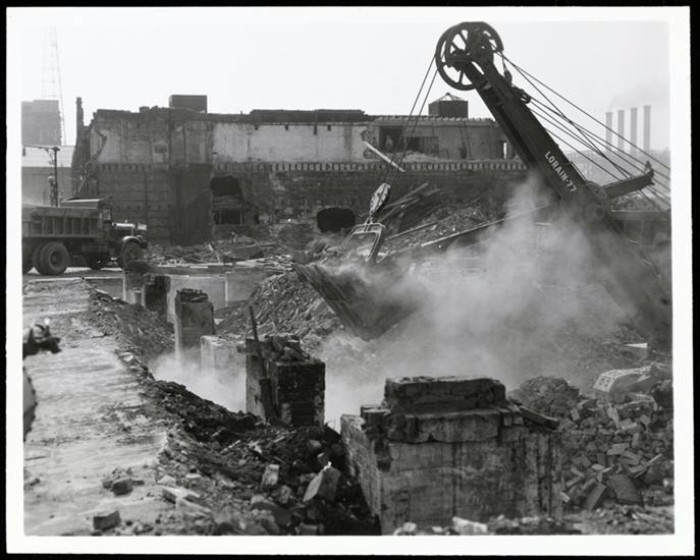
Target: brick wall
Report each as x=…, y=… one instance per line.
x=175, y=202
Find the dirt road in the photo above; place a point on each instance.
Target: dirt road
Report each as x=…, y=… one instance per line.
x=91, y=419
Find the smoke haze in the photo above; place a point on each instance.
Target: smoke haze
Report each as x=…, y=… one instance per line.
x=520, y=306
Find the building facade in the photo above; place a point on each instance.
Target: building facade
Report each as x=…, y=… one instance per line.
x=184, y=171
x=41, y=123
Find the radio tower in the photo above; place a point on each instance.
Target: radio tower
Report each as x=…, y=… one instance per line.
x=51, y=78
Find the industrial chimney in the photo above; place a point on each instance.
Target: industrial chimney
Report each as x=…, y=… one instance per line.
x=79, y=119
x=621, y=130
x=608, y=131
x=633, y=130
x=647, y=128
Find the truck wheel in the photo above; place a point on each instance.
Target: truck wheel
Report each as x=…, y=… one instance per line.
x=97, y=263
x=36, y=257
x=54, y=259
x=130, y=252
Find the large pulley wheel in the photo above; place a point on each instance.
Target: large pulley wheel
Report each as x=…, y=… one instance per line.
x=462, y=45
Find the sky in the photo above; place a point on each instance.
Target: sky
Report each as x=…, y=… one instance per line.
x=338, y=58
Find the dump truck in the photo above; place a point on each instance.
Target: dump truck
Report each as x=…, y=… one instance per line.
x=79, y=231
x=364, y=295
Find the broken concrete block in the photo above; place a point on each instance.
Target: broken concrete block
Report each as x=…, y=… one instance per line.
x=595, y=497
x=105, y=520
x=306, y=529
x=191, y=509
x=281, y=515
x=624, y=489
x=466, y=527
x=617, y=448
x=167, y=480
x=172, y=493
x=283, y=495
x=323, y=485
x=227, y=522
x=314, y=446
x=407, y=528
x=270, y=477
x=121, y=486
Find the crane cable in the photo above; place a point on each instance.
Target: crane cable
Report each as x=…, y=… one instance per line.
x=624, y=156
x=523, y=71
x=584, y=138
x=392, y=171
x=389, y=169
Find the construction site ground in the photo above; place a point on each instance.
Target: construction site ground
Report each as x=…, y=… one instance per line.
x=110, y=437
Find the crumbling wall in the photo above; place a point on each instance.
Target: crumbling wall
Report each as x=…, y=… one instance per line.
x=447, y=447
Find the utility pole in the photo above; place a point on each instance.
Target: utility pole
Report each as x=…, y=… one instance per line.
x=53, y=181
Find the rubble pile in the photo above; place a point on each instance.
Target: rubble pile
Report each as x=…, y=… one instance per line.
x=139, y=331
x=498, y=526
x=614, y=450
x=236, y=475
x=411, y=208
x=284, y=304
x=293, y=235
x=281, y=348
x=235, y=248
x=440, y=222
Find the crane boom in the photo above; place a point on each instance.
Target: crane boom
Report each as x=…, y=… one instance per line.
x=464, y=57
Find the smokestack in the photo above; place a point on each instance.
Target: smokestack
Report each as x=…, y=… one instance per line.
x=647, y=128
x=633, y=130
x=79, y=123
x=621, y=130
x=608, y=131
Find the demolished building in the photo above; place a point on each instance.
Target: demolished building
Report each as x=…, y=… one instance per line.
x=185, y=171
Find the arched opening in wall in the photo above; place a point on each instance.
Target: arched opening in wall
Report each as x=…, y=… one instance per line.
x=504, y=149
x=227, y=201
x=333, y=220
x=229, y=207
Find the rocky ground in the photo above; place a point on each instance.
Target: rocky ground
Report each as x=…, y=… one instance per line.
x=217, y=471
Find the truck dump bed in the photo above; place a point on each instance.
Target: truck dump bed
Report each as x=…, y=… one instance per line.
x=50, y=221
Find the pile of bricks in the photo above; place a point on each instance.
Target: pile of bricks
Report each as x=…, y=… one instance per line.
x=615, y=450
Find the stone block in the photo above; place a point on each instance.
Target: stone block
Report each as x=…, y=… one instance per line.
x=624, y=489
x=442, y=393
x=428, y=466
x=470, y=425
x=122, y=486
x=194, y=318
x=323, y=485
x=217, y=354
x=105, y=520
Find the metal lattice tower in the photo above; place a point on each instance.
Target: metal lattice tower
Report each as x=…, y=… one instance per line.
x=51, y=78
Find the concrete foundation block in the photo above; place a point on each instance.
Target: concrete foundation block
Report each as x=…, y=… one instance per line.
x=213, y=286
x=426, y=468
x=217, y=354
x=155, y=293
x=133, y=287
x=194, y=318
x=297, y=389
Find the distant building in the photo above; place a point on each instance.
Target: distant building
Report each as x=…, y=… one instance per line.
x=184, y=171
x=41, y=123
x=36, y=170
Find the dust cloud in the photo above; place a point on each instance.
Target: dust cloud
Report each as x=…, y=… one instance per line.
x=511, y=308
x=225, y=388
